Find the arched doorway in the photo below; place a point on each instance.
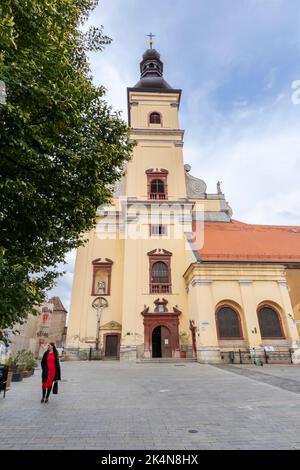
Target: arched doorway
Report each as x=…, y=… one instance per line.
x=161, y=342
x=161, y=336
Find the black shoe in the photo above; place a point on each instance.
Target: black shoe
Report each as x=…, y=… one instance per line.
x=42, y=400
x=46, y=401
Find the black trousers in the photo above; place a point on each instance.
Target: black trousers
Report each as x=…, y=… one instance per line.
x=46, y=392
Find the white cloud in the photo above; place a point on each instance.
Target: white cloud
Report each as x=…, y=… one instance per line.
x=260, y=170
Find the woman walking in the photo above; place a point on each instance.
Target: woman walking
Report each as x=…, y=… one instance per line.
x=50, y=370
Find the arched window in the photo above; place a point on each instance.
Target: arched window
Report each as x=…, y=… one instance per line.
x=228, y=324
x=157, y=187
x=155, y=118
x=269, y=323
x=157, y=183
x=160, y=273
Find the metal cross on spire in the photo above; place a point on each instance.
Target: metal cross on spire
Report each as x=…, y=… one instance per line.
x=151, y=36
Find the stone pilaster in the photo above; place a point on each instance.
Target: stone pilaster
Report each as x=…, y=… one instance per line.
x=208, y=350
x=250, y=319
x=288, y=314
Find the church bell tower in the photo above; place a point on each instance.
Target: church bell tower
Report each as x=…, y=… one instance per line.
x=153, y=107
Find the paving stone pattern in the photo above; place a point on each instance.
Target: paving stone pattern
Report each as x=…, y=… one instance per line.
x=113, y=405
x=271, y=376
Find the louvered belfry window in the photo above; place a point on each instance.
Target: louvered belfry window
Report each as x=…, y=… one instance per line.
x=155, y=118
x=269, y=323
x=228, y=324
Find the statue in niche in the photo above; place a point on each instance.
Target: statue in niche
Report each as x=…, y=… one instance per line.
x=101, y=287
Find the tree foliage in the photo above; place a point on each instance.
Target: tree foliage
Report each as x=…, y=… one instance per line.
x=62, y=147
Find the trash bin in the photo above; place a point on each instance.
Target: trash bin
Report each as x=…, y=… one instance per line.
x=3, y=378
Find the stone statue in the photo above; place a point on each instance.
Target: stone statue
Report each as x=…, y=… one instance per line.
x=101, y=287
x=219, y=187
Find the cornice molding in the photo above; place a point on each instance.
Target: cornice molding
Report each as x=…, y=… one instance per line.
x=245, y=282
x=156, y=141
x=201, y=282
x=147, y=131
x=282, y=282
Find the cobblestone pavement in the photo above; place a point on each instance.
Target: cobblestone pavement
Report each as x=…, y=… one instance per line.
x=113, y=405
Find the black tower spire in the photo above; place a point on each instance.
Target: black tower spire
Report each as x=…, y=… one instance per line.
x=151, y=68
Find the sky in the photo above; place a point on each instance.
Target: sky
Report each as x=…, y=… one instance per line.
x=236, y=62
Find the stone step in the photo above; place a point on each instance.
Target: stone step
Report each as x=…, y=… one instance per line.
x=165, y=360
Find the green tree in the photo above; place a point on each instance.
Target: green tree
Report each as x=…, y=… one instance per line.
x=62, y=148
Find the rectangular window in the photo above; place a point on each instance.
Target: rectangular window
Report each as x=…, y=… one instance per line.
x=158, y=229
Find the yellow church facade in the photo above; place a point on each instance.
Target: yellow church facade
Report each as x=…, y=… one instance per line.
x=167, y=272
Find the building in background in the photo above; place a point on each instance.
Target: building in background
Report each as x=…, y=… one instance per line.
x=38, y=330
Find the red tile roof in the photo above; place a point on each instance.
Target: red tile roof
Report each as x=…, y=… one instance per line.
x=237, y=241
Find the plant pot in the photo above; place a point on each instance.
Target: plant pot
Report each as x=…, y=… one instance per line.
x=17, y=377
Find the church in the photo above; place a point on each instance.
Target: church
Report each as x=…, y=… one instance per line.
x=167, y=272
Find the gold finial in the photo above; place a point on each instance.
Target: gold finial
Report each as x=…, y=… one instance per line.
x=151, y=36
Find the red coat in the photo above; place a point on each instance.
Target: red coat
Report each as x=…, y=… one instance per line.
x=50, y=369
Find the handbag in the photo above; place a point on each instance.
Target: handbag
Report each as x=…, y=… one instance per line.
x=55, y=388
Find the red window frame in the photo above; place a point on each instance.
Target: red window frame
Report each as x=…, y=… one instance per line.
x=164, y=256
x=153, y=175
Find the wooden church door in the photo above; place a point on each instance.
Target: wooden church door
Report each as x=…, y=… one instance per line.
x=166, y=347
x=111, y=346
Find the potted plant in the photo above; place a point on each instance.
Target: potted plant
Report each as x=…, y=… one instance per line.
x=184, y=339
x=26, y=363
